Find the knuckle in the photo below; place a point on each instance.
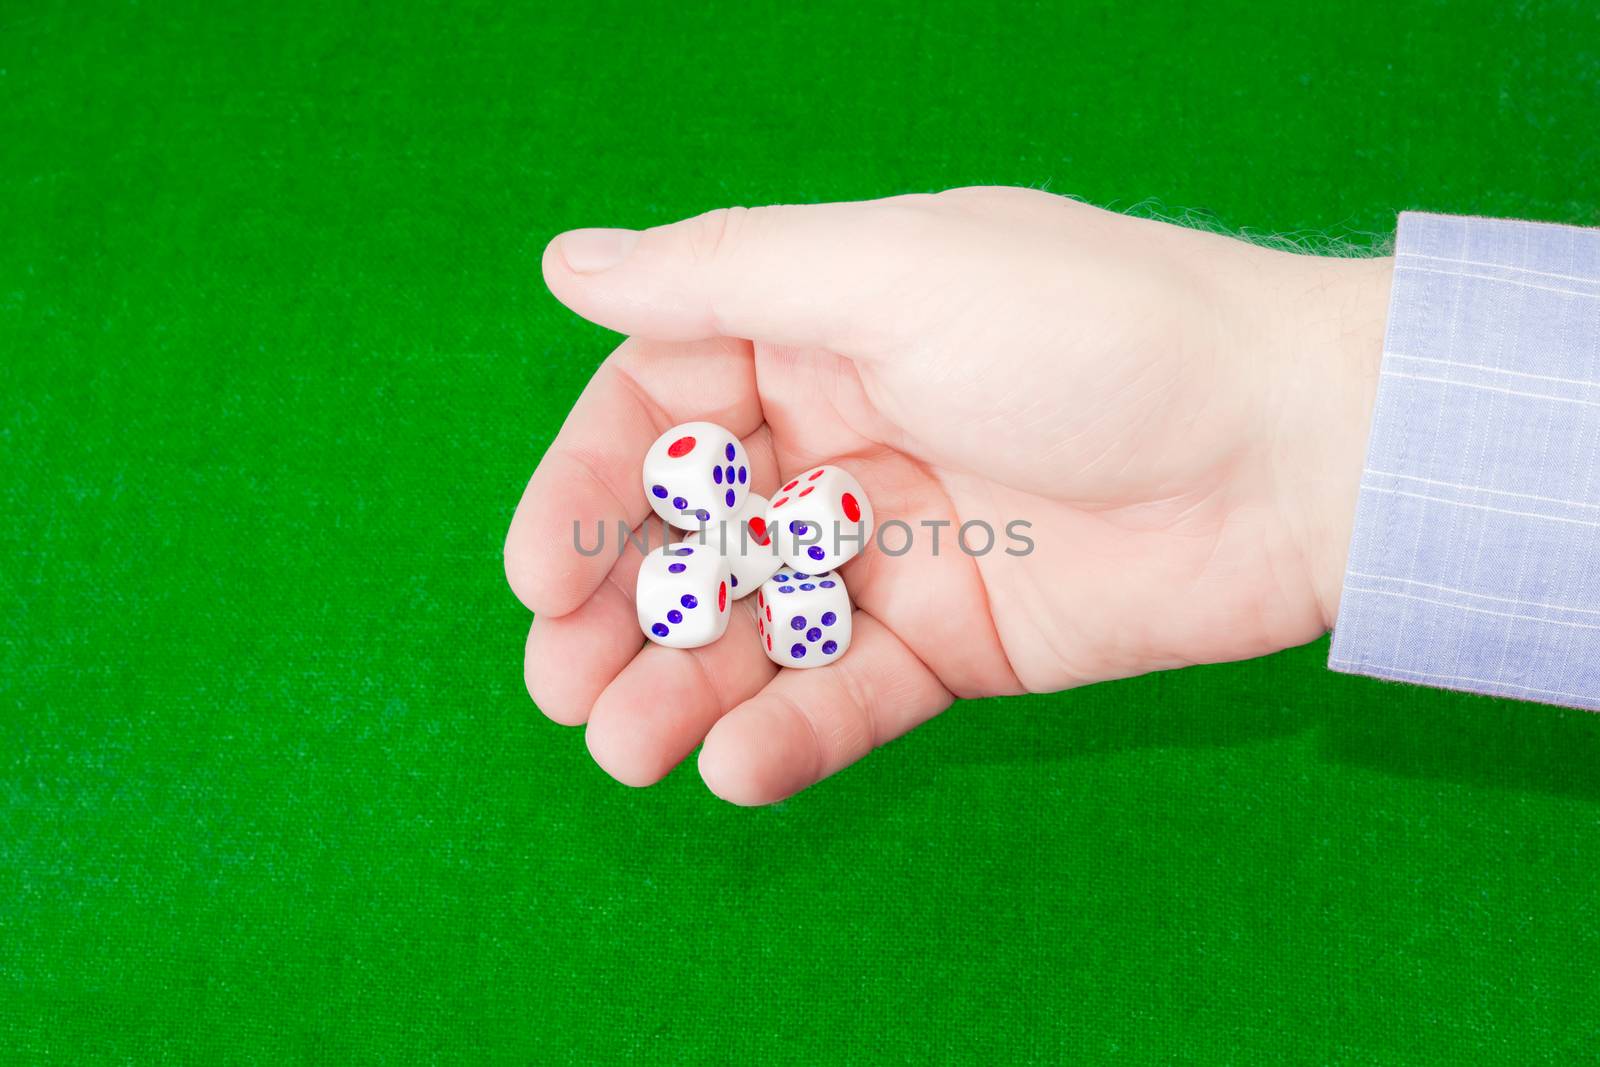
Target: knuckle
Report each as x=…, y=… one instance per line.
x=968, y=193
x=908, y=219
x=712, y=237
x=989, y=200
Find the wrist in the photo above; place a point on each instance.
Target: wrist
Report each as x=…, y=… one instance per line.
x=1336, y=314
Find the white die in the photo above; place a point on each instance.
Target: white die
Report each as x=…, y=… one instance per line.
x=696, y=468
x=821, y=519
x=682, y=596
x=744, y=542
x=803, y=619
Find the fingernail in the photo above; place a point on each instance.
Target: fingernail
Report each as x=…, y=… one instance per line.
x=590, y=251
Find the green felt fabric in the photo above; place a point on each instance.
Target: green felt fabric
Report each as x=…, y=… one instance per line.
x=276, y=363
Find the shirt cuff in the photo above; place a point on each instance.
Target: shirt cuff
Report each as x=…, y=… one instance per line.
x=1475, y=559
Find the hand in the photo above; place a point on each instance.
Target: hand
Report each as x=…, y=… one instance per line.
x=1181, y=418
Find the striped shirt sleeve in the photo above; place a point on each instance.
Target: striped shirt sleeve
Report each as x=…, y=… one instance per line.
x=1475, y=558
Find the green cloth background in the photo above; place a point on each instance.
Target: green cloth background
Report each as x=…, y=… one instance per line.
x=276, y=362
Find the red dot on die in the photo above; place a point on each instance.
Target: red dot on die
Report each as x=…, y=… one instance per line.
x=791, y=485
x=807, y=489
x=769, y=642
x=758, y=530
x=852, y=510
x=782, y=500
x=814, y=475
x=681, y=447
x=722, y=597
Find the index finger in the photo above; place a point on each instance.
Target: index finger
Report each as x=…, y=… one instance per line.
x=591, y=472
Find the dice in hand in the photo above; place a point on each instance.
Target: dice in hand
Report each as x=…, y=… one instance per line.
x=682, y=596
x=821, y=519
x=696, y=473
x=803, y=619
x=745, y=543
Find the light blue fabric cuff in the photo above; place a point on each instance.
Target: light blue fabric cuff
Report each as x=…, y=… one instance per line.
x=1475, y=560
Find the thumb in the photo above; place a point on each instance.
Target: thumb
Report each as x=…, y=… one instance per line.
x=816, y=275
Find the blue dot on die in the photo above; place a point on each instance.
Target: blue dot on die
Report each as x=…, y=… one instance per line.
x=702, y=514
x=826, y=585
x=829, y=618
x=813, y=634
x=679, y=503
x=743, y=474
x=797, y=527
x=729, y=450
x=730, y=498
x=716, y=475
x=677, y=568
x=683, y=550
x=688, y=600
x=815, y=552
x=806, y=587
x=829, y=647
x=728, y=474
x=659, y=491
x=801, y=576
x=674, y=616
x=659, y=629
x=785, y=588
x=797, y=623
x=797, y=651
x=781, y=578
